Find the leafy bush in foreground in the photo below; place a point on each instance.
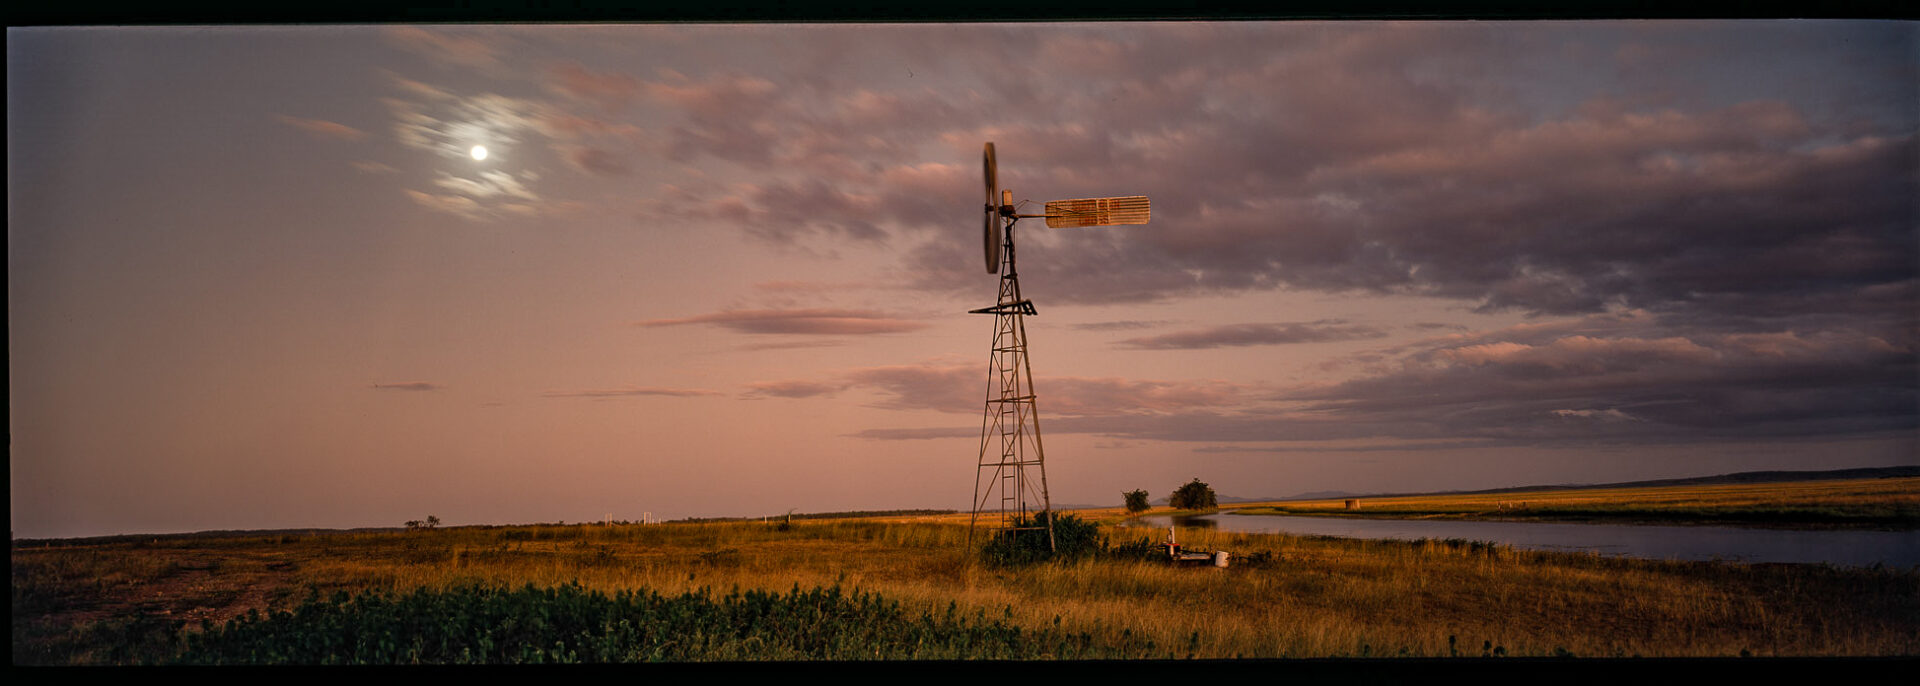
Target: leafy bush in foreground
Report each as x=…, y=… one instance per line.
x=480, y=625
x=1073, y=538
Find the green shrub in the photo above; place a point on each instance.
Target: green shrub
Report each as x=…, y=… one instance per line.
x=566, y=624
x=1137, y=500
x=1073, y=538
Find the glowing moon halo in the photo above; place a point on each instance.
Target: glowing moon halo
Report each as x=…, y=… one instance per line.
x=479, y=152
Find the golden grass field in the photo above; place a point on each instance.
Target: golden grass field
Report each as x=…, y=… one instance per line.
x=1876, y=503
x=1315, y=597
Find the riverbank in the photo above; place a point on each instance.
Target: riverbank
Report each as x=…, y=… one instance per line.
x=1886, y=504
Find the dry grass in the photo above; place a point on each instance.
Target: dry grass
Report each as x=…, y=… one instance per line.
x=1884, y=503
x=1316, y=597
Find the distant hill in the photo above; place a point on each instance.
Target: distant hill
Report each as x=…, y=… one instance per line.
x=1321, y=495
x=1217, y=497
x=1734, y=478
x=1063, y=507
x=1238, y=499
x=215, y=533
x=849, y=514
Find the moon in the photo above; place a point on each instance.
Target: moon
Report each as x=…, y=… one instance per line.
x=479, y=152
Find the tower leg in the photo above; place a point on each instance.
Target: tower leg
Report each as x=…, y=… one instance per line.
x=1011, y=477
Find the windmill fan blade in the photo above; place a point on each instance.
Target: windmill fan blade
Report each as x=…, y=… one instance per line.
x=991, y=231
x=992, y=175
x=1067, y=214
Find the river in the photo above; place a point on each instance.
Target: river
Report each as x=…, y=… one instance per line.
x=1845, y=548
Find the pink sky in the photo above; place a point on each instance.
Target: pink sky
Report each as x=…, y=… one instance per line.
x=256, y=280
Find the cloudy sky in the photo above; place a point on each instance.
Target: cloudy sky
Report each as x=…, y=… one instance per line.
x=257, y=279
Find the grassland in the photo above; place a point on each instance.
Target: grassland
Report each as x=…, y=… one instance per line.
x=1858, y=503
x=130, y=600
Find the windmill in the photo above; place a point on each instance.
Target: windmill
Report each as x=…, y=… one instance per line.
x=1011, y=480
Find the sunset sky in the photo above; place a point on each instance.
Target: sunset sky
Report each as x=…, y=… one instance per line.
x=257, y=280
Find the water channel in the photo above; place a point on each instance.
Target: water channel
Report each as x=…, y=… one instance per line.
x=1839, y=548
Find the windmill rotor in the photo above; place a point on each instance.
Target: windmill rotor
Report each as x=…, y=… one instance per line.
x=991, y=232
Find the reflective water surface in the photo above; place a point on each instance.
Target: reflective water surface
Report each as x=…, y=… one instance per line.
x=1841, y=548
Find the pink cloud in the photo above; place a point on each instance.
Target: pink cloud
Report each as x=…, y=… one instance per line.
x=1575, y=380
x=1105, y=396
x=1235, y=335
x=795, y=389
x=596, y=161
x=417, y=88
x=458, y=205
x=1606, y=415
x=721, y=96
x=783, y=212
x=323, y=128
x=611, y=91
x=927, y=386
x=790, y=345
x=917, y=434
x=568, y=125
x=632, y=392
x=808, y=287
x=465, y=49
x=408, y=386
x=1575, y=355
x=952, y=387
x=801, y=321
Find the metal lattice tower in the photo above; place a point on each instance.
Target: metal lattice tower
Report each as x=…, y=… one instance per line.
x=1012, y=475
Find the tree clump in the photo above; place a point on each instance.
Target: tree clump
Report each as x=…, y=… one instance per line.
x=1196, y=495
x=1137, y=500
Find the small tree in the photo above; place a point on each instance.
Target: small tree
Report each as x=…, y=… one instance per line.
x=1136, y=500
x=432, y=521
x=413, y=524
x=1193, y=496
